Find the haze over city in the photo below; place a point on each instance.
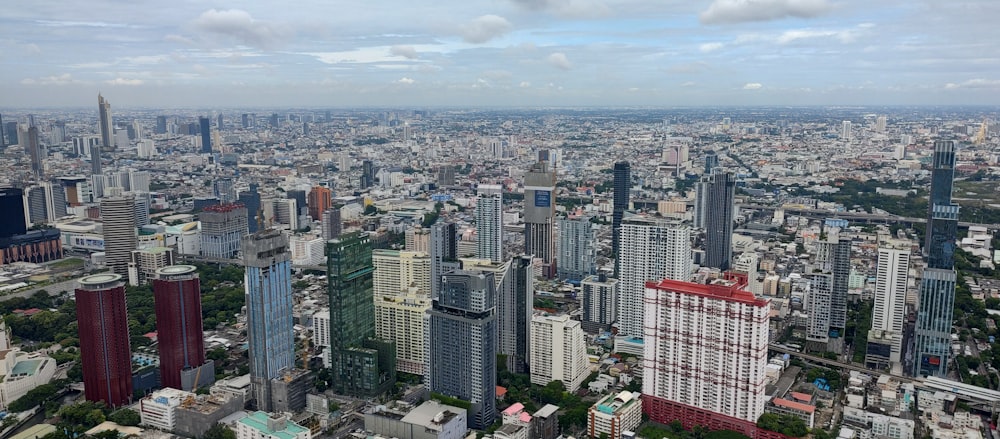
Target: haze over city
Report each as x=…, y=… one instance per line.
x=503, y=52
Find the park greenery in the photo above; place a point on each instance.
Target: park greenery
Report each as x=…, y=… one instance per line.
x=787, y=425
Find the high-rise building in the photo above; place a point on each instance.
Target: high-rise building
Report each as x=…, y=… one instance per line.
x=885, y=340
x=331, y=225
x=489, y=223
x=320, y=200
x=932, y=332
x=577, y=248
x=600, y=302
x=251, y=200
x=120, y=238
x=206, y=135
x=161, y=125
x=363, y=366
x=622, y=184
x=717, y=334
x=463, y=334
x=224, y=190
x=515, y=287
x=95, y=160
x=558, y=351
x=446, y=176
x=367, y=174
x=181, y=344
x=443, y=252
x=880, y=124
x=539, y=214
x=402, y=283
x=219, y=122
x=711, y=161
x=222, y=228
x=716, y=209
x=300, y=198
x=36, y=152
x=145, y=263
x=657, y=249
x=845, y=130
x=105, y=350
x=12, y=204
x=107, y=129
x=268, y=286
x=246, y=120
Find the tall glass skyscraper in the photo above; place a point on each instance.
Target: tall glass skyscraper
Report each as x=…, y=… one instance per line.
x=937, y=288
x=622, y=183
x=268, y=284
x=714, y=205
x=206, y=135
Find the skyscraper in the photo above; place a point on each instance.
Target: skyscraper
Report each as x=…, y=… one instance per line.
x=885, y=340
x=206, y=135
x=711, y=161
x=539, y=214
x=558, y=351
x=363, y=366
x=704, y=354
x=932, y=332
x=181, y=344
x=95, y=160
x=118, y=216
x=224, y=190
x=320, y=199
x=331, y=225
x=657, y=249
x=600, y=302
x=268, y=286
x=105, y=351
x=845, y=130
x=463, y=334
x=402, y=283
x=715, y=196
x=444, y=252
x=577, y=248
x=489, y=223
x=622, y=184
x=161, y=125
x=251, y=200
x=223, y=226
x=36, y=152
x=515, y=287
x=107, y=130
x=12, y=204
x=446, y=176
x=367, y=174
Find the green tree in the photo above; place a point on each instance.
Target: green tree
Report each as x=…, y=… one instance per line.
x=127, y=417
x=219, y=431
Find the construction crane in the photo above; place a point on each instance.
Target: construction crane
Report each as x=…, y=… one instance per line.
x=981, y=135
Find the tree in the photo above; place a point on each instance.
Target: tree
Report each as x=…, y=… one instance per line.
x=125, y=417
x=219, y=431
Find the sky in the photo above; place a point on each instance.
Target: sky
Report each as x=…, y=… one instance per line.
x=476, y=53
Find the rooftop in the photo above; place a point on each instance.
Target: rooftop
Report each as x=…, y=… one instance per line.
x=729, y=289
x=26, y=367
x=259, y=421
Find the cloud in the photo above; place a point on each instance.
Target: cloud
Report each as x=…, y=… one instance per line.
x=178, y=39
x=688, y=68
x=240, y=25
x=63, y=79
x=524, y=84
x=405, y=81
x=407, y=52
x=975, y=83
x=484, y=28
x=124, y=81
x=568, y=8
x=843, y=35
x=32, y=48
x=741, y=11
x=710, y=47
x=689, y=84
x=559, y=61
x=752, y=86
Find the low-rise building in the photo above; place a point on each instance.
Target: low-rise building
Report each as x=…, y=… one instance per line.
x=430, y=420
x=261, y=425
x=614, y=415
x=185, y=413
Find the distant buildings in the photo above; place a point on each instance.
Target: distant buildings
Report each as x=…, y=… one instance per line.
x=222, y=228
x=331, y=225
x=206, y=134
x=320, y=200
x=105, y=352
x=621, y=184
x=105, y=125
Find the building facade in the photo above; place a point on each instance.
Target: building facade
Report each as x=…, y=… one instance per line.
x=223, y=227
x=105, y=349
x=715, y=206
x=622, y=184
x=180, y=339
x=489, y=223
x=600, y=302
x=657, y=250
x=539, y=213
x=402, y=285
x=577, y=248
x=558, y=351
x=615, y=415
x=120, y=238
x=885, y=340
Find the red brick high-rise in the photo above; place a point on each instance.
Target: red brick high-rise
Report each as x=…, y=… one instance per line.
x=180, y=340
x=105, y=352
x=320, y=199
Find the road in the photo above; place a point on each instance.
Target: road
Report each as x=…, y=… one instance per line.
x=53, y=289
x=838, y=364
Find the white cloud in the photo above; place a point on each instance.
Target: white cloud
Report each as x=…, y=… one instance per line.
x=32, y=48
x=710, y=47
x=752, y=86
x=63, y=79
x=124, y=81
x=484, y=28
x=408, y=52
x=569, y=8
x=406, y=81
x=740, y=11
x=559, y=61
x=975, y=83
x=524, y=84
x=843, y=35
x=178, y=39
x=239, y=24
x=689, y=84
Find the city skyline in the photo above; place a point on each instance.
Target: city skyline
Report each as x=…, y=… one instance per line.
x=508, y=53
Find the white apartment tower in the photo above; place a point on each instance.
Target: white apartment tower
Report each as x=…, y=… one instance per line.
x=657, y=250
x=489, y=223
x=885, y=340
x=705, y=350
x=321, y=334
x=558, y=351
x=845, y=130
x=401, y=287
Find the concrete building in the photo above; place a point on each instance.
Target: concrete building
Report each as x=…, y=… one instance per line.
x=577, y=248
x=615, y=415
x=622, y=184
x=321, y=333
x=515, y=303
x=885, y=340
x=105, y=350
x=715, y=212
x=144, y=263
x=430, y=420
x=180, y=341
x=402, y=297
x=261, y=425
x=489, y=223
x=558, y=351
x=22, y=371
x=718, y=334
x=223, y=226
x=331, y=224
x=118, y=216
x=600, y=302
x=657, y=250
x=539, y=214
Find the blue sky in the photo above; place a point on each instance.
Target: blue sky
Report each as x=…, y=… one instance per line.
x=194, y=53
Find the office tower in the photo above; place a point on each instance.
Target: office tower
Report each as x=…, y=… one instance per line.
x=463, y=334
x=331, y=225
x=274, y=121
x=106, y=127
x=717, y=335
x=144, y=263
x=715, y=197
x=11, y=129
x=222, y=228
x=417, y=239
x=139, y=180
x=36, y=153
x=880, y=123
x=206, y=135
x=402, y=283
x=224, y=190
x=118, y=216
x=444, y=252
x=181, y=344
x=300, y=199
x=622, y=183
x=251, y=200
x=95, y=160
x=558, y=351
x=305, y=128
x=657, y=249
x=3, y=134
x=446, y=176
x=219, y=122
x=161, y=125
x=711, y=161
x=268, y=286
x=937, y=287
x=320, y=199
x=885, y=340
x=36, y=205
x=12, y=204
x=845, y=130
x=285, y=212
x=363, y=366
x=105, y=352
x=514, y=305
x=489, y=223
x=141, y=209
x=600, y=302
x=367, y=174
x=539, y=214
x=247, y=121
x=577, y=248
